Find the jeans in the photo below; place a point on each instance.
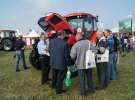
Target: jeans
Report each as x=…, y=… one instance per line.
x=116, y=60
x=112, y=70
x=20, y=57
x=88, y=73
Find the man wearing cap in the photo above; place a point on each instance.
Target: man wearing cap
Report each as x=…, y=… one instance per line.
x=44, y=58
x=19, y=47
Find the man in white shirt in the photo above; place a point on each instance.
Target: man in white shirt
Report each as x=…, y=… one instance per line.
x=44, y=58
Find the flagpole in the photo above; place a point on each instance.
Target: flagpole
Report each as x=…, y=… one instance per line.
x=132, y=25
x=131, y=17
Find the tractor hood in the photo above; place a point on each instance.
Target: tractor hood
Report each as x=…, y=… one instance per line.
x=54, y=21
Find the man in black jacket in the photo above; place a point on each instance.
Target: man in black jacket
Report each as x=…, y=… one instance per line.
x=116, y=49
x=59, y=58
x=19, y=47
x=102, y=63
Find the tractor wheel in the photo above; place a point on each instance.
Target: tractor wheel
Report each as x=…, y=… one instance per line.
x=34, y=60
x=7, y=44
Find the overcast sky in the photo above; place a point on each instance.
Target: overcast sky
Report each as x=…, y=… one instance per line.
x=23, y=14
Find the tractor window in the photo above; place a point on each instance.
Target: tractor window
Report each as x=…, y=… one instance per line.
x=75, y=23
x=95, y=25
x=88, y=25
x=9, y=34
x=6, y=34
x=55, y=20
x=12, y=34
x=43, y=24
x=2, y=34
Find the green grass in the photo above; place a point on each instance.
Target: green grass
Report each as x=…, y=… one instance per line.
x=25, y=85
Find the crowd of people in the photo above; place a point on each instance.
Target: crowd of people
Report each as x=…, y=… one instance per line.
x=125, y=44
x=56, y=55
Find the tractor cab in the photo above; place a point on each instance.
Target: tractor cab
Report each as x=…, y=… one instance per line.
x=85, y=21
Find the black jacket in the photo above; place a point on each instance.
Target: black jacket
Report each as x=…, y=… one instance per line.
x=59, y=54
x=19, y=44
x=116, y=44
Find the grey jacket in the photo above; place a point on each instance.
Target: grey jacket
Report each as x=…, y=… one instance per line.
x=78, y=52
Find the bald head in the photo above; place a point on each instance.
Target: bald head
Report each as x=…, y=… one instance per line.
x=79, y=36
x=100, y=34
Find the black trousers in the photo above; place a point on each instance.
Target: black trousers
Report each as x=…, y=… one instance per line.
x=102, y=74
x=45, y=67
x=88, y=73
x=57, y=79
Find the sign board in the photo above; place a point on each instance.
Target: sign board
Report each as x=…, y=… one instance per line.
x=125, y=26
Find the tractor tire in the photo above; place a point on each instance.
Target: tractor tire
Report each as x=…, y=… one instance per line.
x=34, y=60
x=7, y=44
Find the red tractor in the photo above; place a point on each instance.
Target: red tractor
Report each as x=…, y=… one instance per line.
x=69, y=23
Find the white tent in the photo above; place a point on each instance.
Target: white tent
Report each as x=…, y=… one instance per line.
x=31, y=34
x=116, y=29
x=30, y=37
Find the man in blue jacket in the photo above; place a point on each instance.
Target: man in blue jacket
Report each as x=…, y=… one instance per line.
x=112, y=70
x=59, y=58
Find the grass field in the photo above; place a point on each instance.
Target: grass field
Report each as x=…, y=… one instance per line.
x=25, y=85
